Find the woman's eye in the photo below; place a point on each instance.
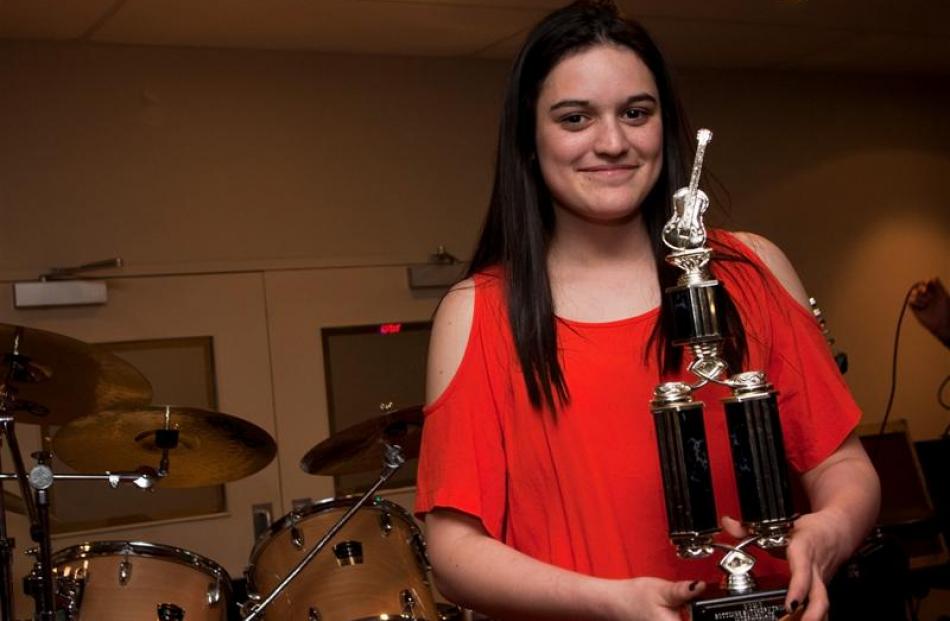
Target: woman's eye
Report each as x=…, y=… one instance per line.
x=636, y=115
x=573, y=120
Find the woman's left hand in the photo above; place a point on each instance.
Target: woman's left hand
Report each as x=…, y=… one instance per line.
x=814, y=553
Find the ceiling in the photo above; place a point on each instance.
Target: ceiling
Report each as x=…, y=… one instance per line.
x=864, y=36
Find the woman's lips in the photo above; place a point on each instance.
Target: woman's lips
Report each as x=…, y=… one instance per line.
x=609, y=172
x=607, y=167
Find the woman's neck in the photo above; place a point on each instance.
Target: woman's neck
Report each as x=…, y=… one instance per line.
x=579, y=244
x=601, y=271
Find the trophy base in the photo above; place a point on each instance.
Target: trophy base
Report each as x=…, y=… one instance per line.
x=716, y=604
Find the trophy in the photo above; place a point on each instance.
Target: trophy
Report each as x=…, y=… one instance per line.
x=755, y=435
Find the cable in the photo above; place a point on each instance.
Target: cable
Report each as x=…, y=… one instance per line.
x=897, y=338
x=940, y=400
x=946, y=430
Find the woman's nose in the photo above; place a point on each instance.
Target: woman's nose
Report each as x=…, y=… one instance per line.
x=611, y=141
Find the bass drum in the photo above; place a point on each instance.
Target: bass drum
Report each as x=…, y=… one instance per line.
x=138, y=581
x=374, y=568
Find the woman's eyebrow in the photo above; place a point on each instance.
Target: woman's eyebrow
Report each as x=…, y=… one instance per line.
x=571, y=103
x=583, y=103
x=641, y=97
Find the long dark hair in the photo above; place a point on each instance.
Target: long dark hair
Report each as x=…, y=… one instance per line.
x=520, y=219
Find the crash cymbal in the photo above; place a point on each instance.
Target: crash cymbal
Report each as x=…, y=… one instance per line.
x=361, y=447
x=56, y=378
x=212, y=447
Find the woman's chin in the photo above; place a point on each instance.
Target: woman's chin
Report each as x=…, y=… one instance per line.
x=603, y=215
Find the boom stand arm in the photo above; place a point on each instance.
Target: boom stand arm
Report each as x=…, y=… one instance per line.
x=393, y=460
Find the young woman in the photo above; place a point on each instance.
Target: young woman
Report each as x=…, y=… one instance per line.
x=539, y=477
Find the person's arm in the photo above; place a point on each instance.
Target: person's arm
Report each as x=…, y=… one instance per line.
x=844, y=494
x=843, y=490
x=931, y=305
x=475, y=570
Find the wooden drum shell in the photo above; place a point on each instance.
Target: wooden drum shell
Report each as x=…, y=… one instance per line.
x=158, y=575
x=393, y=563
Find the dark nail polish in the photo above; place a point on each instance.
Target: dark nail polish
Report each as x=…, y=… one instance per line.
x=793, y=606
x=693, y=585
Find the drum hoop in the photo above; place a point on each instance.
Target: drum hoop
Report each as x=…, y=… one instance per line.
x=92, y=549
x=319, y=506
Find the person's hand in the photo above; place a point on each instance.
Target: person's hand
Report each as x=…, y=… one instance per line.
x=813, y=556
x=931, y=305
x=649, y=599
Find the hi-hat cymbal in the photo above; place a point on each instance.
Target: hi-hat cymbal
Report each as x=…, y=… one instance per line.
x=212, y=447
x=56, y=378
x=361, y=447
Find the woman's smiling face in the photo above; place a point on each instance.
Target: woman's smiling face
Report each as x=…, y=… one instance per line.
x=599, y=136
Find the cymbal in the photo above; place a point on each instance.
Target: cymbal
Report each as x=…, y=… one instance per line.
x=361, y=447
x=57, y=378
x=212, y=447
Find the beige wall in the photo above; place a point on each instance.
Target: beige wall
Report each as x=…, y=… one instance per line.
x=292, y=166
x=177, y=157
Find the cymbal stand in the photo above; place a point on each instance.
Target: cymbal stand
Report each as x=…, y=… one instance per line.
x=40, y=479
x=392, y=461
x=38, y=513
x=7, y=543
x=18, y=365
x=40, y=580
x=6, y=574
x=166, y=439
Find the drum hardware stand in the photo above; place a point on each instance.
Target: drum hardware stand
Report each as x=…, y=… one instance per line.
x=392, y=461
x=39, y=584
x=143, y=478
x=20, y=368
x=166, y=439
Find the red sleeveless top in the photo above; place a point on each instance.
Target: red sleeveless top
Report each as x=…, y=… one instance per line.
x=582, y=489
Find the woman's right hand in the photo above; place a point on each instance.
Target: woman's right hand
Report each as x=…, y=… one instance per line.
x=649, y=599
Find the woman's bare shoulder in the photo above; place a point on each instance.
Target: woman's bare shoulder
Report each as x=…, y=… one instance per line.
x=450, y=330
x=774, y=259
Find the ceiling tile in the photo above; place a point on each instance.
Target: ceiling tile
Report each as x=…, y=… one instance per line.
x=884, y=53
x=348, y=26
x=50, y=19
x=694, y=43
x=840, y=35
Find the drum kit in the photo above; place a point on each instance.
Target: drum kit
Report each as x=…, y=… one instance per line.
x=345, y=559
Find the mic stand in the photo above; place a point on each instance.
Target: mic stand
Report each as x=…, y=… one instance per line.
x=392, y=461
